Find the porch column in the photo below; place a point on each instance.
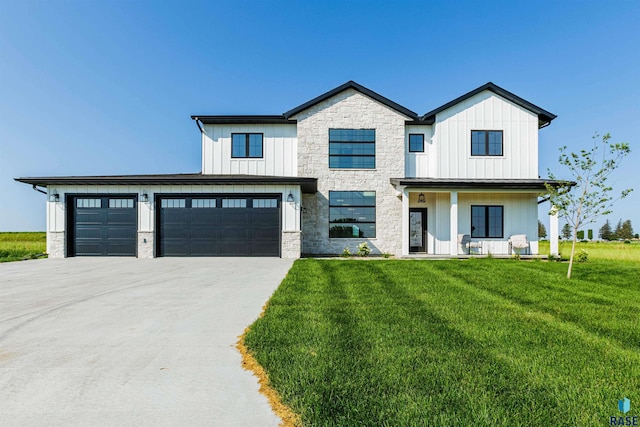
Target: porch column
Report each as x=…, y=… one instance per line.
x=553, y=231
x=405, y=221
x=453, y=222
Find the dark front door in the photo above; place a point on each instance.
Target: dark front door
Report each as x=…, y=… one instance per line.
x=418, y=230
x=209, y=225
x=103, y=226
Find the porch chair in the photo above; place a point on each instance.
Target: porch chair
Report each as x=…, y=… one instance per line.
x=465, y=241
x=519, y=242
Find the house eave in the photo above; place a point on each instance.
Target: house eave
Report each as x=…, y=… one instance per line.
x=307, y=185
x=476, y=184
x=243, y=120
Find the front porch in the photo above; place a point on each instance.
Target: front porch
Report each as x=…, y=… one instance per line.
x=471, y=219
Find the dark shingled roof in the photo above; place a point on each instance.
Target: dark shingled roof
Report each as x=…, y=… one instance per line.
x=308, y=185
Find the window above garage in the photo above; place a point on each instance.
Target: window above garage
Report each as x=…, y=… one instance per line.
x=246, y=145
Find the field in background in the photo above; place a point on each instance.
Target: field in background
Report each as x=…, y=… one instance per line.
x=599, y=250
x=19, y=246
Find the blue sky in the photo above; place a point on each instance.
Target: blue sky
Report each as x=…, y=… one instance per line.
x=107, y=87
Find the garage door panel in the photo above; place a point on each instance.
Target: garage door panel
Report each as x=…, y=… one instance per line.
x=102, y=227
x=222, y=226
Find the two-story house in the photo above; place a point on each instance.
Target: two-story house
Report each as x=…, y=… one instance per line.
x=347, y=167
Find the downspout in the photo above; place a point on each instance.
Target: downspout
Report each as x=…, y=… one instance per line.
x=39, y=190
x=199, y=125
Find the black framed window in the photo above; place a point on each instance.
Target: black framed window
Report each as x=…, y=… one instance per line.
x=487, y=221
x=352, y=214
x=352, y=148
x=245, y=145
x=416, y=143
x=486, y=143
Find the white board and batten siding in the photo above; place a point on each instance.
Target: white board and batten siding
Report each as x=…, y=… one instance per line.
x=56, y=211
x=280, y=150
x=486, y=111
x=420, y=165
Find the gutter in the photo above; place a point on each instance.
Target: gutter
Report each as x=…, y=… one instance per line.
x=39, y=190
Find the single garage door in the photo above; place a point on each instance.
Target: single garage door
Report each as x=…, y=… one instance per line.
x=103, y=225
x=229, y=225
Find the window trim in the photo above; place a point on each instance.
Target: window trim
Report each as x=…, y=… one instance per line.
x=486, y=143
x=486, y=221
x=247, y=152
x=375, y=208
x=352, y=155
x=416, y=134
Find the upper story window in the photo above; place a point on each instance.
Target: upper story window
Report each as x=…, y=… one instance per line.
x=487, y=221
x=486, y=143
x=352, y=148
x=245, y=145
x=416, y=143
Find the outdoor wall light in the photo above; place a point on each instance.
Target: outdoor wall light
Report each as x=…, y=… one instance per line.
x=290, y=198
x=421, y=198
x=144, y=197
x=55, y=197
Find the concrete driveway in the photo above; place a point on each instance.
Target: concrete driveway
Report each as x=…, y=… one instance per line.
x=130, y=342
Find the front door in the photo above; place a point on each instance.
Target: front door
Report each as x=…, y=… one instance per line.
x=418, y=230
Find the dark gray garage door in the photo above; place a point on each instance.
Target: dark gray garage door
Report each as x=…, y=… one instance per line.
x=103, y=225
x=218, y=226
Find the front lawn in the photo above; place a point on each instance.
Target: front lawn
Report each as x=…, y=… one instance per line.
x=19, y=246
x=473, y=342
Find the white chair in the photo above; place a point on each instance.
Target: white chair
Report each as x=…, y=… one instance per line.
x=466, y=243
x=518, y=243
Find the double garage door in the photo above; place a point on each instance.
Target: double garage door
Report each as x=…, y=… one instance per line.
x=226, y=225
x=202, y=225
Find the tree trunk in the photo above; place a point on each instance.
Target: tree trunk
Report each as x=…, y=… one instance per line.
x=573, y=251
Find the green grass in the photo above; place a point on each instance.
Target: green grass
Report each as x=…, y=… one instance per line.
x=19, y=246
x=474, y=342
x=599, y=250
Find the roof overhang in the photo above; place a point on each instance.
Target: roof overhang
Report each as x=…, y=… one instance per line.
x=359, y=88
x=243, y=120
x=479, y=184
x=544, y=117
x=307, y=185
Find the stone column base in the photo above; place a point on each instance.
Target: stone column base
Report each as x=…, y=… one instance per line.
x=55, y=244
x=145, y=244
x=291, y=244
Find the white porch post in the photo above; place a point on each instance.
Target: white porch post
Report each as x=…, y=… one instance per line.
x=453, y=222
x=405, y=221
x=553, y=231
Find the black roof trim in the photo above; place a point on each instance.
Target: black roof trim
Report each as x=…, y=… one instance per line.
x=223, y=120
x=544, y=117
x=496, y=184
x=353, y=85
x=308, y=185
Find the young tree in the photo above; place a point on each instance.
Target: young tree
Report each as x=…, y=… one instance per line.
x=566, y=231
x=605, y=232
x=542, y=230
x=626, y=231
x=590, y=196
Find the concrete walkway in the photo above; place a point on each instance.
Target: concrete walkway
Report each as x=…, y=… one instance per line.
x=131, y=342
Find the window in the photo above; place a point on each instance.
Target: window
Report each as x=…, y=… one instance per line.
x=246, y=145
x=265, y=203
x=352, y=148
x=89, y=203
x=352, y=214
x=121, y=203
x=203, y=203
x=234, y=203
x=416, y=143
x=173, y=203
x=486, y=143
x=487, y=221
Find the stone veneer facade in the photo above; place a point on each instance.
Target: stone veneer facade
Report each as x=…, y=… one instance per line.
x=145, y=244
x=291, y=242
x=55, y=244
x=351, y=110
